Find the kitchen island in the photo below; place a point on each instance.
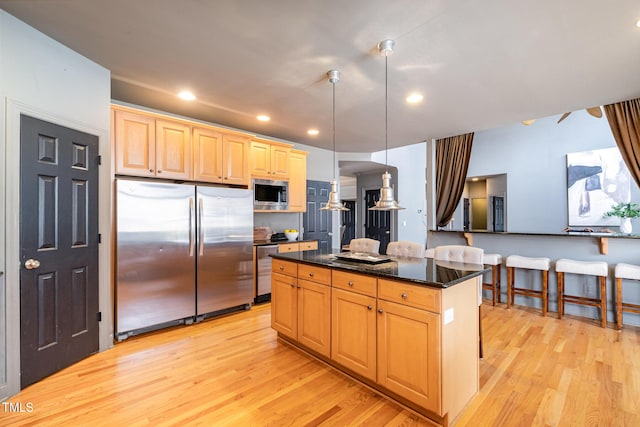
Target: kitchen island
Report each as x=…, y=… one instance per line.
x=406, y=327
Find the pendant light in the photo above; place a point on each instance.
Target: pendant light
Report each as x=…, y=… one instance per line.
x=386, y=202
x=334, y=203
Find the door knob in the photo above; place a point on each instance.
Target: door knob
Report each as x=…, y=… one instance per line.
x=30, y=264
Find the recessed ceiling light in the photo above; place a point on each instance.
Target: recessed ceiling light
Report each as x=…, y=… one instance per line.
x=474, y=179
x=638, y=23
x=528, y=122
x=263, y=118
x=313, y=132
x=186, y=95
x=414, y=98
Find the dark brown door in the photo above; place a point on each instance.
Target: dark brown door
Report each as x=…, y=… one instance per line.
x=378, y=223
x=58, y=247
x=348, y=222
x=317, y=223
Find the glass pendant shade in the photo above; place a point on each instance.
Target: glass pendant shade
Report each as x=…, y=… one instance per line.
x=387, y=201
x=334, y=203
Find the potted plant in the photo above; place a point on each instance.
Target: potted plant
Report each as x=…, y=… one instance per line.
x=625, y=211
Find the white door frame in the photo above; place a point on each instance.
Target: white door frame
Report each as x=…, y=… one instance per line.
x=12, y=229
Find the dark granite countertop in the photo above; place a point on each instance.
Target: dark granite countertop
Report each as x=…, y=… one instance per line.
x=419, y=271
x=595, y=233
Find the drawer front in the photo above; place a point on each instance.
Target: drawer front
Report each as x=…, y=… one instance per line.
x=411, y=295
x=288, y=247
x=309, y=246
x=284, y=267
x=359, y=283
x=314, y=273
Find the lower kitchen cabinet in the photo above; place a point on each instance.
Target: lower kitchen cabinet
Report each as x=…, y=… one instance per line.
x=314, y=316
x=409, y=353
x=301, y=308
x=353, y=332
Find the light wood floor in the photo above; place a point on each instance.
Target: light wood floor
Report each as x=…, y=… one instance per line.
x=233, y=371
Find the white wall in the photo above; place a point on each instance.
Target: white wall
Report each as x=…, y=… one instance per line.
x=42, y=78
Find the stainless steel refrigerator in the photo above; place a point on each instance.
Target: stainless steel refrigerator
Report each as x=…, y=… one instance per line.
x=183, y=252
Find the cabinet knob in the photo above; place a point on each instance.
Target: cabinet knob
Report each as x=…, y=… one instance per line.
x=380, y=311
x=299, y=286
x=404, y=296
x=159, y=171
x=370, y=307
x=310, y=274
x=150, y=170
x=293, y=284
x=350, y=283
x=226, y=177
x=281, y=268
x=220, y=177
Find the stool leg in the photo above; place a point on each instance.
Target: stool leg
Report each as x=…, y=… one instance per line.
x=480, y=333
x=545, y=284
x=493, y=284
x=560, y=294
x=619, y=303
x=603, y=300
x=499, y=273
x=509, y=286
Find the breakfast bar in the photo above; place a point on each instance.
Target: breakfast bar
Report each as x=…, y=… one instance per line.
x=406, y=327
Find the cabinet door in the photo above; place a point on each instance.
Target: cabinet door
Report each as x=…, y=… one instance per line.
x=353, y=332
x=260, y=155
x=207, y=155
x=173, y=150
x=284, y=305
x=235, y=158
x=297, y=182
x=314, y=316
x=135, y=136
x=280, y=161
x=408, y=353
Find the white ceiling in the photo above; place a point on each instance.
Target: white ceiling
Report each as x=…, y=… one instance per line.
x=479, y=64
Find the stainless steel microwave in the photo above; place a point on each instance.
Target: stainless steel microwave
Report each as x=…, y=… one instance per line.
x=270, y=195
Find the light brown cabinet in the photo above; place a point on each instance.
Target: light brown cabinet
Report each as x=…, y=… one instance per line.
x=269, y=159
x=297, y=181
x=146, y=146
x=135, y=140
x=301, y=305
x=353, y=331
x=220, y=158
x=408, y=350
x=298, y=246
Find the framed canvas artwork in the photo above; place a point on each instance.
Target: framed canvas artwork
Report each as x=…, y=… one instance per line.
x=596, y=180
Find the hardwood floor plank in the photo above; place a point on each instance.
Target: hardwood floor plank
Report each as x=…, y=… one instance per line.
x=231, y=371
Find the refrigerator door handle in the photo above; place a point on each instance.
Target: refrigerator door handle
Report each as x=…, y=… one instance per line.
x=200, y=230
x=191, y=230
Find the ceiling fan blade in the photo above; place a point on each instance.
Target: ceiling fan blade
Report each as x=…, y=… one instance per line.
x=595, y=111
x=564, y=116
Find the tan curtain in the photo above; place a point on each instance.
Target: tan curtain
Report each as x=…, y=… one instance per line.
x=624, y=120
x=452, y=162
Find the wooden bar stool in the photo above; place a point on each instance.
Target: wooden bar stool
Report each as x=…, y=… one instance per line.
x=517, y=261
x=591, y=268
x=625, y=271
x=495, y=261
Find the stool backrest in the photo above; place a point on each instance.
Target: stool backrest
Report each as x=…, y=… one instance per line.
x=459, y=253
x=364, y=244
x=405, y=248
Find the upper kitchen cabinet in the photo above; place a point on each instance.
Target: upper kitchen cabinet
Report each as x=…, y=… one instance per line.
x=269, y=159
x=297, y=181
x=220, y=158
x=150, y=146
x=135, y=140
